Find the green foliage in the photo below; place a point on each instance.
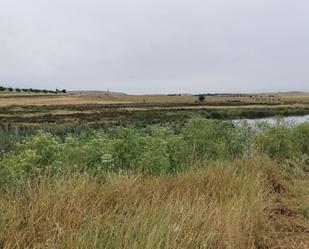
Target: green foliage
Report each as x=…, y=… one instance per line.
x=201, y=98
x=32, y=157
x=154, y=157
x=82, y=154
x=212, y=139
x=151, y=149
x=301, y=137
x=277, y=142
x=11, y=89
x=127, y=147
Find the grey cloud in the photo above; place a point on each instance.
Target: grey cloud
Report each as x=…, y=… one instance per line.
x=158, y=46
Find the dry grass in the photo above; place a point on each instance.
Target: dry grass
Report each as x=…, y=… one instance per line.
x=75, y=99
x=59, y=100
x=231, y=205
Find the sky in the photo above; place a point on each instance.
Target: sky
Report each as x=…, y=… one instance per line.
x=155, y=46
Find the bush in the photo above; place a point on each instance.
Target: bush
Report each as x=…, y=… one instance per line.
x=32, y=157
x=212, y=139
x=301, y=137
x=87, y=154
x=276, y=142
x=201, y=98
x=154, y=157
x=127, y=147
x=153, y=149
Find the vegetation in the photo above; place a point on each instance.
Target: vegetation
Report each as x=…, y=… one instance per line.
x=152, y=149
x=201, y=98
x=239, y=204
x=30, y=90
x=211, y=184
x=65, y=118
x=151, y=175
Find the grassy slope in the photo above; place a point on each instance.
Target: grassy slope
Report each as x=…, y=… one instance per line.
x=244, y=204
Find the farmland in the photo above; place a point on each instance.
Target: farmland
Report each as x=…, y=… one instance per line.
x=8, y=98
x=100, y=110
x=89, y=170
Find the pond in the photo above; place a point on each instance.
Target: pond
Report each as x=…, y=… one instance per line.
x=272, y=120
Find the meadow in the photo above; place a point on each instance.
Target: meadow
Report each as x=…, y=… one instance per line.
x=62, y=113
x=153, y=175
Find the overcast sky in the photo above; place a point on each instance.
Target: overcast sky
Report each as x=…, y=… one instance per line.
x=155, y=46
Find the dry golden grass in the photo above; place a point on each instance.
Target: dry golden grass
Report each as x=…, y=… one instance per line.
x=230, y=205
x=58, y=100
x=75, y=99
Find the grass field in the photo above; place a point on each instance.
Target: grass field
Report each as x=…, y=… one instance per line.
x=7, y=99
x=158, y=172
x=244, y=204
x=100, y=110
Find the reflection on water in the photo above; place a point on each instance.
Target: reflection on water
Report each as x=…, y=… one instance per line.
x=290, y=120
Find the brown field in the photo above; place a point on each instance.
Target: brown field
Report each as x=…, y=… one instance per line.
x=78, y=99
x=99, y=109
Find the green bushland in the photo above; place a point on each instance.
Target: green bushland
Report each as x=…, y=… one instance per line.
x=152, y=149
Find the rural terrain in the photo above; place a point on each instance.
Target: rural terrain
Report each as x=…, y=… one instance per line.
x=97, y=109
x=116, y=171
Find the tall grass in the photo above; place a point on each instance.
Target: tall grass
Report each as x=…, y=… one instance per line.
x=209, y=184
x=219, y=205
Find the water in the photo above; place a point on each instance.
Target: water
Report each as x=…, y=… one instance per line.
x=294, y=120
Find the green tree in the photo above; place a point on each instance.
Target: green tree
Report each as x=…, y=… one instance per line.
x=201, y=98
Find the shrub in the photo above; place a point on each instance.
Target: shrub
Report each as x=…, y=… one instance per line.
x=276, y=142
x=301, y=137
x=87, y=154
x=211, y=139
x=201, y=98
x=127, y=147
x=153, y=149
x=154, y=157
x=32, y=157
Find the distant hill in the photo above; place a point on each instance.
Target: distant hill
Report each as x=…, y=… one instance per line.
x=97, y=92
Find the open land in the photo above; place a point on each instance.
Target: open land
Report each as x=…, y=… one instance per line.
x=97, y=170
x=100, y=109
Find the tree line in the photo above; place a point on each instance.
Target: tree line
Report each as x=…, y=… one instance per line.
x=30, y=90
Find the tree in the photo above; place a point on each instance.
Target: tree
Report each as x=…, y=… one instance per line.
x=64, y=91
x=2, y=88
x=201, y=98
